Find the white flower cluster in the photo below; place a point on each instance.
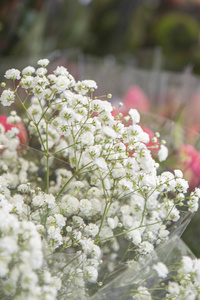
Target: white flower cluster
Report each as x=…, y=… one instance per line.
x=90, y=186
x=22, y=270
x=186, y=280
x=180, y=281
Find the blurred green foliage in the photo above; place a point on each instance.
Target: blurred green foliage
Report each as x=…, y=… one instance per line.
x=177, y=33
x=123, y=28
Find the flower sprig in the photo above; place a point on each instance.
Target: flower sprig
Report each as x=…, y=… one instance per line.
x=91, y=188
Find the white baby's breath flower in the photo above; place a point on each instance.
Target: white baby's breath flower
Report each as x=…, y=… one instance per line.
x=162, y=153
x=135, y=116
x=91, y=229
x=60, y=70
x=12, y=74
x=91, y=84
x=178, y=173
x=135, y=236
x=193, y=204
x=27, y=82
x=70, y=204
x=54, y=234
x=113, y=222
x=60, y=220
x=161, y=269
x=24, y=188
x=182, y=185
x=12, y=133
x=91, y=273
x=13, y=118
x=43, y=62
x=146, y=247
x=85, y=206
x=84, y=86
x=7, y=97
x=96, y=205
x=61, y=83
x=50, y=200
x=101, y=163
x=186, y=265
x=108, y=131
x=173, y=288
x=86, y=138
x=28, y=70
x=94, y=151
x=41, y=71
x=78, y=221
x=142, y=294
x=101, y=106
x=38, y=200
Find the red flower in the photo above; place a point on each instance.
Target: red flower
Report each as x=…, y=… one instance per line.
x=23, y=135
x=190, y=164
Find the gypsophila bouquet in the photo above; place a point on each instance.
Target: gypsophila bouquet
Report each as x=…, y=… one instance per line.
x=81, y=195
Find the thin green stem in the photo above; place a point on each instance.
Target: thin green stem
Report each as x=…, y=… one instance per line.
x=78, y=171
x=65, y=185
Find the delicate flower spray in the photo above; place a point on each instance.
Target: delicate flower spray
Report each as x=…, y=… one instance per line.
x=89, y=197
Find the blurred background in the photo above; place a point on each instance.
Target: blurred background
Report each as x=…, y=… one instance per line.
x=145, y=52
x=141, y=32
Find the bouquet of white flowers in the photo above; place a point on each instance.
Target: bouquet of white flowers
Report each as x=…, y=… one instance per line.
x=81, y=195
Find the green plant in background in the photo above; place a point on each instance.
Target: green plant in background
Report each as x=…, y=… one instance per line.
x=177, y=33
x=21, y=27
x=120, y=28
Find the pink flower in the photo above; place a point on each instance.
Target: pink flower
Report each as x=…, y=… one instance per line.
x=189, y=162
x=136, y=98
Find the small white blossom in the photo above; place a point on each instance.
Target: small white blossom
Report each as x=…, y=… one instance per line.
x=50, y=200
x=91, y=273
x=87, y=138
x=61, y=83
x=28, y=70
x=91, y=229
x=38, y=200
x=101, y=163
x=70, y=204
x=60, y=220
x=178, y=173
x=173, y=288
x=142, y=294
x=161, y=269
x=186, y=265
x=162, y=153
x=85, y=206
x=43, y=62
x=84, y=86
x=135, y=116
x=7, y=97
x=60, y=70
x=12, y=74
x=146, y=247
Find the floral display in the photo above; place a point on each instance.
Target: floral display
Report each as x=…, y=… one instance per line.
x=186, y=135
x=82, y=195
